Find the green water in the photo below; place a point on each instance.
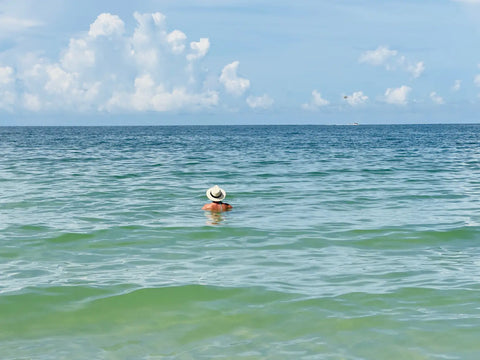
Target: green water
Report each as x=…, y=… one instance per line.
x=344, y=243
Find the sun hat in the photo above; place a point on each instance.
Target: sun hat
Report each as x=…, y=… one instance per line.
x=216, y=193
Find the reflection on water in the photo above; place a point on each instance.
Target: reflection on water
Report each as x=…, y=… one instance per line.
x=214, y=218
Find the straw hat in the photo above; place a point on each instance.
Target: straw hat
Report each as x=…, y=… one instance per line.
x=216, y=193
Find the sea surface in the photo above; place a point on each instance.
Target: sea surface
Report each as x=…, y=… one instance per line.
x=344, y=242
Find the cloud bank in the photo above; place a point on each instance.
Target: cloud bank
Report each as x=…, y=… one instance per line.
x=107, y=69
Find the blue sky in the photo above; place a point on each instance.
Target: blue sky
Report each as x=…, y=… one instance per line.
x=239, y=62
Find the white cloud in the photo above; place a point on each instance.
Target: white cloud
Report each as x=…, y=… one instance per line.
x=260, y=102
x=234, y=84
x=176, y=39
x=316, y=101
x=108, y=69
x=357, y=98
x=397, y=96
x=416, y=69
x=149, y=96
x=106, y=25
x=456, y=86
x=147, y=39
x=392, y=60
x=158, y=18
x=9, y=24
x=377, y=57
x=78, y=55
x=436, y=98
x=199, y=49
x=51, y=87
x=151, y=46
x=59, y=81
x=6, y=75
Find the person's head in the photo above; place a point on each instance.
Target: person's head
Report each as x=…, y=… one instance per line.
x=216, y=194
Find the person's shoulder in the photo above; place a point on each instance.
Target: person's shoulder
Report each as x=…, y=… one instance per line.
x=207, y=206
x=217, y=207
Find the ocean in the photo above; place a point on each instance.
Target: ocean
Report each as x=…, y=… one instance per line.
x=344, y=242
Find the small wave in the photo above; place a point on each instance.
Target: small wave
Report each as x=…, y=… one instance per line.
x=126, y=176
x=404, y=238
x=70, y=237
x=95, y=310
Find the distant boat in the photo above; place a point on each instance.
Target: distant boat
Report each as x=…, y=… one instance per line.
x=354, y=124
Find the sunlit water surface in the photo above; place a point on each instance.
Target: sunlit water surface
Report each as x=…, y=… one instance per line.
x=348, y=242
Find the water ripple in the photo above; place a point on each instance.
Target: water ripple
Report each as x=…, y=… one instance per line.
x=366, y=234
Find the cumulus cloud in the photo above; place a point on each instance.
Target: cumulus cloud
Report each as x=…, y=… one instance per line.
x=176, y=40
x=108, y=69
x=79, y=55
x=149, y=96
x=50, y=87
x=436, y=98
x=106, y=25
x=397, y=96
x=456, y=85
x=316, y=101
x=150, y=44
x=392, y=60
x=260, y=102
x=415, y=69
x=234, y=84
x=377, y=57
x=357, y=98
x=199, y=49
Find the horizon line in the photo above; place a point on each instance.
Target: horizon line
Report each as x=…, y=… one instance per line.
x=205, y=125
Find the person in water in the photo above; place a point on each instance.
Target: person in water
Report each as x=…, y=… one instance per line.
x=216, y=194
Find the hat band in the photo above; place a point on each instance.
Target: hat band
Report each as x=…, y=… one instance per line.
x=216, y=197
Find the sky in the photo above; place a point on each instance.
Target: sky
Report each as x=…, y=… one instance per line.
x=169, y=62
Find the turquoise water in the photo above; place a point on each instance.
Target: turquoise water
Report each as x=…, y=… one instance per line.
x=345, y=242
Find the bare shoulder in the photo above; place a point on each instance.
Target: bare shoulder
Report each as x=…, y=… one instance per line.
x=217, y=207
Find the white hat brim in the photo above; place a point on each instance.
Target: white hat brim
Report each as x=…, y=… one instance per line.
x=213, y=198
